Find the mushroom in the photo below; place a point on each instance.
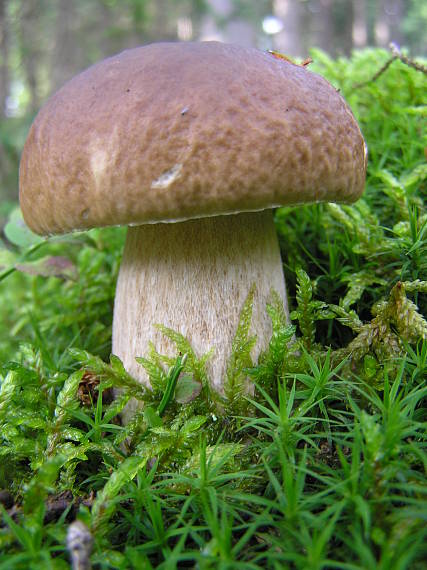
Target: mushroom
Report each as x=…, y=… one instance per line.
x=192, y=145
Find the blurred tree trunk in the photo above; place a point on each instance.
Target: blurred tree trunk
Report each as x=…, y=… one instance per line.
x=232, y=29
x=62, y=53
x=4, y=92
x=63, y=57
x=323, y=26
x=343, y=27
x=4, y=58
x=387, y=26
x=30, y=15
x=217, y=10
x=288, y=41
x=162, y=27
x=105, y=43
x=360, y=23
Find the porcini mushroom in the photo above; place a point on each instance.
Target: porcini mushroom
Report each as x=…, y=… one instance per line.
x=208, y=136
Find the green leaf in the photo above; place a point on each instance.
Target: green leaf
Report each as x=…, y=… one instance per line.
x=415, y=176
x=117, y=365
x=155, y=372
x=18, y=233
x=50, y=266
x=152, y=417
x=172, y=380
x=390, y=180
x=72, y=434
x=240, y=358
x=67, y=395
x=114, y=373
x=222, y=453
x=7, y=259
x=103, y=507
x=41, y=483
x=187, y=389
x=357, y=284
x=370, y=366
x=194, y=424
x=8, y=385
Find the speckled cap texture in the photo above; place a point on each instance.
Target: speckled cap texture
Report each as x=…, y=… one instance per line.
x=173, y=131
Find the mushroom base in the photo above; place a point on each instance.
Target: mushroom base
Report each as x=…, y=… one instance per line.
x=194, y=277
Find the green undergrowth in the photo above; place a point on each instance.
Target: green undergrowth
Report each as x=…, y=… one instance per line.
x=320, y=465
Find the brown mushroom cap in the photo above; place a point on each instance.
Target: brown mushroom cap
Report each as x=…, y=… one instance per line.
x=173, y=131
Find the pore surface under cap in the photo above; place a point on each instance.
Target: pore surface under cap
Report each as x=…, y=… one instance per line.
x=173, y=131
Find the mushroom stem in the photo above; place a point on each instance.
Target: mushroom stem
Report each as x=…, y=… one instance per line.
x=194, y=277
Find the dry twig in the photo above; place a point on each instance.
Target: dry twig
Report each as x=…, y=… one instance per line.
x=396, y=54
x=79, y=545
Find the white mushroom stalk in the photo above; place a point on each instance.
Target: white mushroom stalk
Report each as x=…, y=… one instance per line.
x=194, y=278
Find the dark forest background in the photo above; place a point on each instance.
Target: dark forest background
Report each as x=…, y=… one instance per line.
x=43, y=43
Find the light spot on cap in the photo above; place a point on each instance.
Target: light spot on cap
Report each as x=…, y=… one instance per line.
x=98, y=164
x=365, y=148
x=102, y=154
x=168, y=177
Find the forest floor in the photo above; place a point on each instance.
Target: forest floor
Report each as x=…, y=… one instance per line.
x=323, y=467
